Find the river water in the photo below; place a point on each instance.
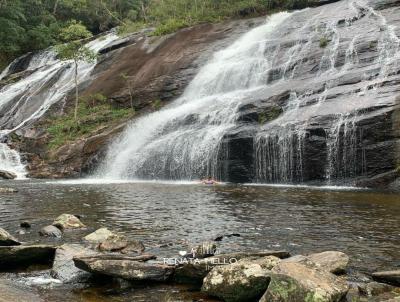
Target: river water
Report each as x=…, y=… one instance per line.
x=169, y=217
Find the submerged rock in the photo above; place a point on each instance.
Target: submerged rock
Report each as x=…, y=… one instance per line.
x=50, y=231
x=391, y=277
x=6, y=239
x=7, y=175
x=25, y=255
x=68, y=221
x=295, y=281
x=13, y=292
x=245, y=280
x=129, y=268
x=64, y=268
x=98, y=236
x=8, y=190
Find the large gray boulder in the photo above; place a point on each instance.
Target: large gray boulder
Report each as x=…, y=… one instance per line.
x=68, y=221
x=7, y=175
x=50, y=231
x=245, y=280
x=99, y=236
x=193, y=272
x=124, y=267
x=331, y=261
x=295, y=281
x=6, y=239
x=64, y=268
x=25, y=255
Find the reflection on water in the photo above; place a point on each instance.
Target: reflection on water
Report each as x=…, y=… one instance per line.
x=363, y=224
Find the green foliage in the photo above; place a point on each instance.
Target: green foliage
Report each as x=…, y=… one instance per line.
x=270, y=114
x=170, y=26
x=323, y=42
x=94, y=112
x=157, y=104
x=29, y=25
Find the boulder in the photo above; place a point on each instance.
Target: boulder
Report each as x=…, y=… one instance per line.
x=50, y=231
x=25, y=255
x=25, y=225
x=128, y=268
x=193, y=272
x=15, y=292
x=98, y=236
x=245, y=280
x=114, y=243
x=8, y=190
x=295, y=281
x=133, y=246
x=68, y=221
x=6, y=239
x=372, y=289
x=331, y=261
x=64, y=268
x=7, y=175
x=391, y=277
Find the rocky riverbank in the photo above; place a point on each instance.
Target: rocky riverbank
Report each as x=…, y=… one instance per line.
x=233, y=277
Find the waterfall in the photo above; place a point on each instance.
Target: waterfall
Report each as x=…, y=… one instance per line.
x=47, y=81
x=183, y=140
x=279, y=147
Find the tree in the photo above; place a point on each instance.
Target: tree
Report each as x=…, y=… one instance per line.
x=75, y=50
x=129, y=83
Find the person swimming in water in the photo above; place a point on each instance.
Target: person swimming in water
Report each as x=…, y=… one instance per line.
x=209, y=181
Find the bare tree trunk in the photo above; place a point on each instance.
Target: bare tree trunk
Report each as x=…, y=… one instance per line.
x=76, y=91
x=55, y=7
x=131, y=96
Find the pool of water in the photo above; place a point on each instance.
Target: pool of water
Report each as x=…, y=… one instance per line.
x=169, y=217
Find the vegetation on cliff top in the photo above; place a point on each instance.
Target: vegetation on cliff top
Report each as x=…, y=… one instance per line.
x=30, y=25
x=94, y=112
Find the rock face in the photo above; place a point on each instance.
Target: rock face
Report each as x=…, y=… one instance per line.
x=7, y=175
x=64, y=268
x=391, y=277
x=124, y=267
x=293, y=281
x=50, y=231
x=68, y=221
x=312, y=118
x=193, y=272
x=6, y=239
x=24, y=256
x=245, y=280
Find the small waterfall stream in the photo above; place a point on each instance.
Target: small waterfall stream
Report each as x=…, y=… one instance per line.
x=47, y=81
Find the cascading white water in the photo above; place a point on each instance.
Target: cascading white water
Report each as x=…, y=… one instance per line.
x=182, y=141
x=279, y=148
x=50, y=80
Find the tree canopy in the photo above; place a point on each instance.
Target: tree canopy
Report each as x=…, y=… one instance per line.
x=29, y=25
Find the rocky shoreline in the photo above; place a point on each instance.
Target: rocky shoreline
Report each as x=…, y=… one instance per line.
x=233, y=277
